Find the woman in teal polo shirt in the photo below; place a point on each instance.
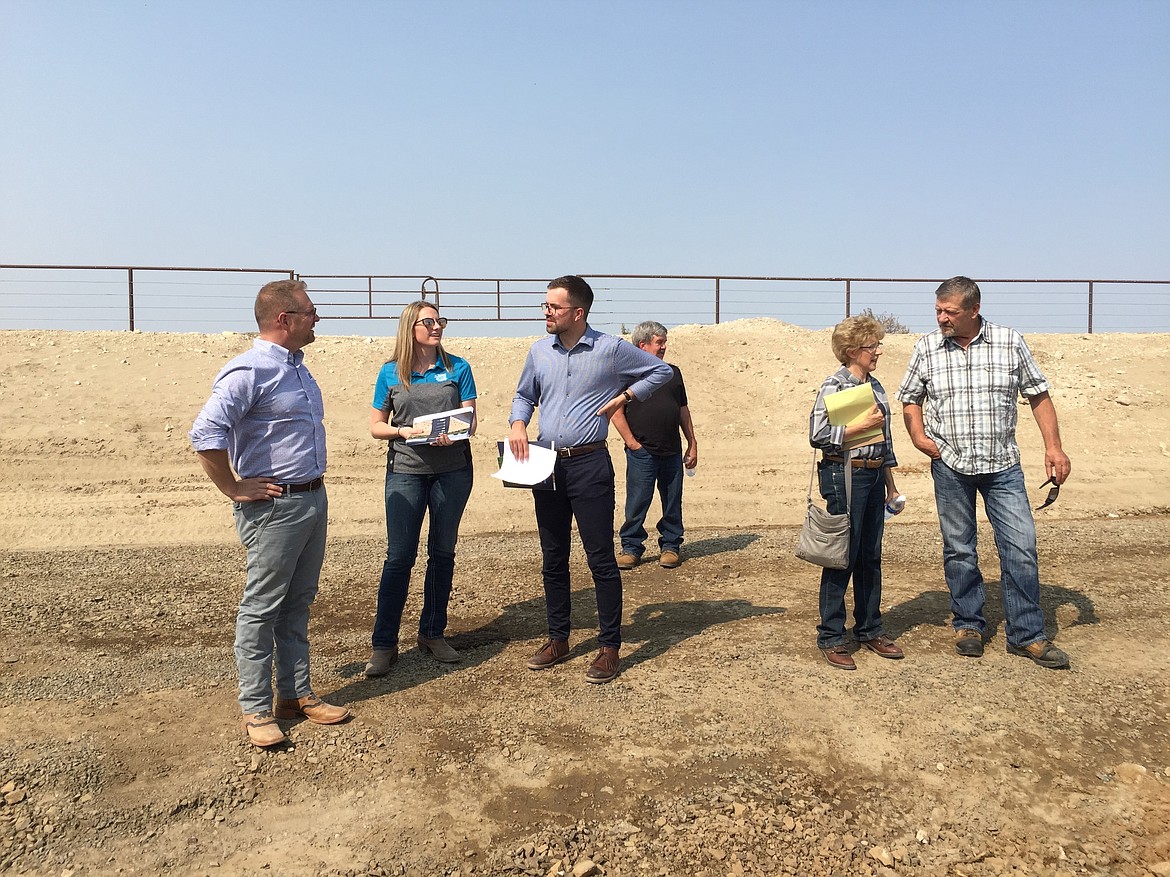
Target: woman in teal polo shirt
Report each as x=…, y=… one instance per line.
x=420, y=379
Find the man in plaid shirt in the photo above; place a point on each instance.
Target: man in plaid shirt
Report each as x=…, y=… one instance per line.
x=969, y=373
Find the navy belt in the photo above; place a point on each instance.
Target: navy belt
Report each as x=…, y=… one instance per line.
x=286, y=489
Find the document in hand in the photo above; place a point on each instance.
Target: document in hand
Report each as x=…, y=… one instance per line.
x=536, y=472
x=846, y=407
x=456, y=424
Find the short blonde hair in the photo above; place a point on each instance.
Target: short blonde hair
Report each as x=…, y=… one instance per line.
x=854, y=332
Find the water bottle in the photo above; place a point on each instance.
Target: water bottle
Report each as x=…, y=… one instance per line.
x=690, y=472
x=895, y=506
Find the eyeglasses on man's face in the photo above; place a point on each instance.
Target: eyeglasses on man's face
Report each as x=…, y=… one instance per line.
x=312, y=312
x=430, y=322
x=549, y=308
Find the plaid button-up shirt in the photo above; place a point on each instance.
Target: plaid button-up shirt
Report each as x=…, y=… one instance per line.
x=969, y=397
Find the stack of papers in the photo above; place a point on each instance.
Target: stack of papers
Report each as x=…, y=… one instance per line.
x=846, y=407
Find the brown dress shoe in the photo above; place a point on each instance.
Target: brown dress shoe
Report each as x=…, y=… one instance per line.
x=604, y=666
x=884, y=646
x=312, y=708
x=552, y=652
x=839, y=657
x=262, y=729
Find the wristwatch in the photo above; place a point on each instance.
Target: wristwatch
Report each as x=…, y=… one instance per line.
x=629, y=396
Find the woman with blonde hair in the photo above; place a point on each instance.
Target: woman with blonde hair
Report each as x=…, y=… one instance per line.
x=421, y=378
x=857, y=345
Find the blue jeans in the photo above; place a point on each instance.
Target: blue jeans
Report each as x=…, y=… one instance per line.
x=408, y=498
x=644, y=471
x=585, y=491
x=1005, y=499
x=867, y=523
x=285, y=541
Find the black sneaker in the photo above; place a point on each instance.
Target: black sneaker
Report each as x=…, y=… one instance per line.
x=969, y=643
x=1043, y=653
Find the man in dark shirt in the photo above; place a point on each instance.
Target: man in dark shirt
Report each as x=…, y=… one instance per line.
x=654, y=457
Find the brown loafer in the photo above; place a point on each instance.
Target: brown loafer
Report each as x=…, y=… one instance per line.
x=839, y=657
x=312, y=708
x=261, y=729
x=552, y=652
x=884, y=646
x=604, y=667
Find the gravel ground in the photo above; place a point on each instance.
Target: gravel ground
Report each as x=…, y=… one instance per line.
x=726, y=747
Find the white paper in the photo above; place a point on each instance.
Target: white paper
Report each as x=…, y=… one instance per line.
x=534, y=470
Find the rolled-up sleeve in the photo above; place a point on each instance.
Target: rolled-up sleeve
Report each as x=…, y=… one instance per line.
x=231, y=398
x=822, y=434
x=643, y=372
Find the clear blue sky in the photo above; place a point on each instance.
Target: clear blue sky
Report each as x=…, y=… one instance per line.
x=996, y=139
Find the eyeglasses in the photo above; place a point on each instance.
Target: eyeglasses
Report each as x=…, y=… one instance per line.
x=1052, y=494
x=549, y=308
x=872, y=347
x=429, y=322
x=312, y=312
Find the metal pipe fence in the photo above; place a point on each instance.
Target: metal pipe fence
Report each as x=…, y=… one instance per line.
x=201, y=299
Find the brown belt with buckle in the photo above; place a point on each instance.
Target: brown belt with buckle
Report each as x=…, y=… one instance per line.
x=301, y=488
x=874, y=463
x=580, y=450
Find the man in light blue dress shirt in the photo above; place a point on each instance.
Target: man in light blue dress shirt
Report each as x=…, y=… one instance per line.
x=261, y=441
x=579, y=377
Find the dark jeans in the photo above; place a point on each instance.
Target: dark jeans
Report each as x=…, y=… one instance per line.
x=867, y=524
x=644, y=472
x=408, y=499
x=584, y=491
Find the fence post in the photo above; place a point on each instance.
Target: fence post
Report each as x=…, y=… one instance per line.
x=716, y=301
x=1090, y=307
x=130, y=293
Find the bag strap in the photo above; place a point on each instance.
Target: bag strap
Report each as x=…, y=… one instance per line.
x=848, y=479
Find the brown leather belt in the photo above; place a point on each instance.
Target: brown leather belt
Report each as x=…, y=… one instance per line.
x=301, y=488
x=874, y=463
x=580, y=450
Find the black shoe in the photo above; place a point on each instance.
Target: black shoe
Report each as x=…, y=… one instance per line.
x=969, y=643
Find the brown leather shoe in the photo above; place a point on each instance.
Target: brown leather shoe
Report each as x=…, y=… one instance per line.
x=627, y=561
x=884, y=646
x=312, y=708
x=604, y=667
x=839, y=657
x=552, y=652
x=669, y=560
x=261, y=729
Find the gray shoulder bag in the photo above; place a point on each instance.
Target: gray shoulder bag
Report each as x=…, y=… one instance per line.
x=824, y=538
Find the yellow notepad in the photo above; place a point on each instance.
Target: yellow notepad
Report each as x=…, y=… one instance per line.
x=846, y=407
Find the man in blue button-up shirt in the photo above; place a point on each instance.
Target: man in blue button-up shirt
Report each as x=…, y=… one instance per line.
x=579, y=377
x=261, y=441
